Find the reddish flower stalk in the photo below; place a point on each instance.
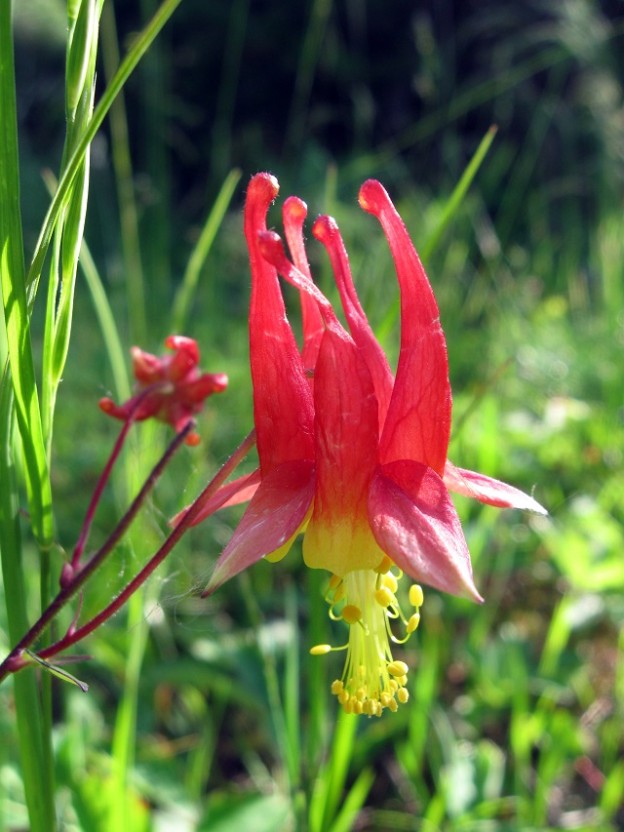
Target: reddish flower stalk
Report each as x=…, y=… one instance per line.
x=172, y=389
x=15, y=660
x=69, y=569
x=74, y=636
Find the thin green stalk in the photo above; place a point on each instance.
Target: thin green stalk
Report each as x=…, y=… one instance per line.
x=108, y=327
x=329, y=786
x=12, y=271
x=81, y=57
x=79, y=93
x=156, y=156
x=38, y=789
x=124, y=180
x=19, y=400
x=463, y=103
x=292, y=699
x=185, y=294
x=140, y=45
x=271, y=678
x=450, y=209
x=459, y=193
x=124, y=737
x=221, y=144
x=310, y=52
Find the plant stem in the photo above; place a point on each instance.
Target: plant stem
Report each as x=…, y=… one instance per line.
x=14, y=660
x=187, y=520
x=105, y=475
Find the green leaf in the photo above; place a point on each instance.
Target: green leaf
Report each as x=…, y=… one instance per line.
x=233, y=812
x=12, y=281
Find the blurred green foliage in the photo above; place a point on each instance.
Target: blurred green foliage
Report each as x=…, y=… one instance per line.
x=516, y=720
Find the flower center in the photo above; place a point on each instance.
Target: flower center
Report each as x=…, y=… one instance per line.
x=366, y=600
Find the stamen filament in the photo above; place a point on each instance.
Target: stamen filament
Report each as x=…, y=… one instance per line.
x=366, y=600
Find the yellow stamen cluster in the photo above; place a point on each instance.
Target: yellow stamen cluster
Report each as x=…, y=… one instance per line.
x=367, y=601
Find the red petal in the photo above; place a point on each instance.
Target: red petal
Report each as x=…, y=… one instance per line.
x=275, y=514
x=147, y=368
x=419, y=418
x=416, y=524
x=347, y=435
x=488, y=490
x=283, y=410
x=198, y=389
x=294, y=213
x=186, y=356
x=327, y=232
x=272, y=249
x=233, y=493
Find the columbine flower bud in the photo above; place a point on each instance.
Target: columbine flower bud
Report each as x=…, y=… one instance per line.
x=170, y=388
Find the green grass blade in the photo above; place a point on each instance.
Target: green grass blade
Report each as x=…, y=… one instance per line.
x=354, y=801
x=310, y=52
x=38, y=788
x=26, y=399
x=79, y=93
x=459, y=193
x=124, y=182
x=330, y=784
x=108, y=327
x=184, y=295
x=124, y=738
x=139, y=47
x=450, y=210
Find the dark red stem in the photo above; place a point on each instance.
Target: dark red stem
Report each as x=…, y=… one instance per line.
x=187, y=520
x=14, y=661
x=105, y=475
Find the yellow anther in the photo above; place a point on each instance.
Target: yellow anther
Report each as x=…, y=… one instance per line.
x=384, y=597
x=385, y=699
x=402, y=680
x=320, y=649
x=416, y=596
x=402, y=695
x=336, y=687
x=397, y=669
x=390, y=581
x=343, y=697
x=413, y=622
x=351, y=614
x=392, y=704
x=357, y=707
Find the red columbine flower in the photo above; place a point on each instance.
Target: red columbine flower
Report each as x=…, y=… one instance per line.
x=170, y=388
x=350, y=455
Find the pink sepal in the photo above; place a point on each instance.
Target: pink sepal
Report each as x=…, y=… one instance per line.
x=276, y=512
x=415, y=522
x=488, y=490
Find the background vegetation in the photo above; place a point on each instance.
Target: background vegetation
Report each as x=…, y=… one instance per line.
x=209, y=714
